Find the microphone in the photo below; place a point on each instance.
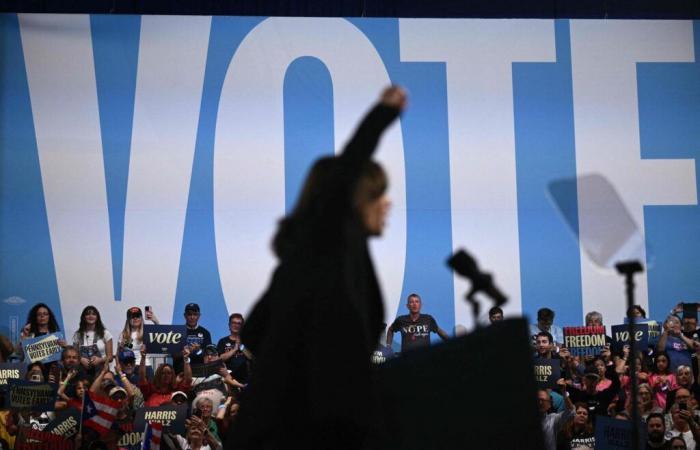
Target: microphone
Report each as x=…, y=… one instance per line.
x=464, y=264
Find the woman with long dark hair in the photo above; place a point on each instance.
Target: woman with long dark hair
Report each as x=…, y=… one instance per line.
x=578, y=431
x=40, y=321
x=312, y=382
x=92, y=340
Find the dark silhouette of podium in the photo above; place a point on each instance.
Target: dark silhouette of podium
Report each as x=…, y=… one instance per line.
x=473, y=392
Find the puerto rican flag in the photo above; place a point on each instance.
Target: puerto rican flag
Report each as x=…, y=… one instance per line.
x=99, y=412
x=151, y=437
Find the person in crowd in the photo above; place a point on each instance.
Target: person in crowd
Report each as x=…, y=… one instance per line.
x=131, y=336
x=677, y=443
x=164, y=382
x=226, y=415
x=178, y=398
x=662, y=380
x=232, y=351
x=682, y=421
x=198, y=337
x=645, y=401
x=9, y=421
x=197, y=437
x=595, y=319
x=222, y=376
x=415, y=328
x=677, y=347
x=684, y=379
x=641, y=371
x=552, y=421
x=598, y=401
x=40, y=321
x=93, y=341
x=544, y=346
x=577, y=431
x=70, y=361
x=203, y=407
x=127, y=362
x=601, y=367
x=325, y=277
x=656, y=431
x=637, y=312
x=72, y=390
x=545, y=322
x=495, y=314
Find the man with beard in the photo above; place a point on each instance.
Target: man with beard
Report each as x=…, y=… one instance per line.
x=656, y=432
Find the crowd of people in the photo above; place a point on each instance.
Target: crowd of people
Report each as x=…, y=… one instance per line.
x=97, y=366
x=94, y=364
x=599, y=385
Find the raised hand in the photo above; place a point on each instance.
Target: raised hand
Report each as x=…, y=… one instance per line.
x=395, y=97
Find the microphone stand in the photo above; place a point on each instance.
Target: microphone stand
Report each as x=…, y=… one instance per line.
x=629, y=269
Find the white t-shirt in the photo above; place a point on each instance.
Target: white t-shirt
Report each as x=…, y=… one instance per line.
x=89, y=343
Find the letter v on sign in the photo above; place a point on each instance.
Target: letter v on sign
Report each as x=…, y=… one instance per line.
x=62, y=86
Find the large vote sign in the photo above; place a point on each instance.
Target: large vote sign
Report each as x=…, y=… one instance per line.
x=147, y=160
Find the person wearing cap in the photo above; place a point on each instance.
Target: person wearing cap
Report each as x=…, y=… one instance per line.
x=598, y=401
x=178, y=398
x=198, y=337
x=211, y=355
x=131, y=336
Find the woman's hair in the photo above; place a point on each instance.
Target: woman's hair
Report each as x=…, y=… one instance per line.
x=315, y=196
x=671, y=318
x=668, y=360
x=99, y=327
x=645, y=387
x=158, y=377
x=594, y=315
x=38, y=364
x=568, y=429
x=636, y=308
x=677, y=438
x=126, y=332
x=681, y=367
x=34, y=325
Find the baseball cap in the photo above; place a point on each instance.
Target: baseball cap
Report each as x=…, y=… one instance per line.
x=193, y=307
x=591, y=372
x=134, y=311
x=178, y=393
x=115, y=390
x=211, y=350
x=126, y=354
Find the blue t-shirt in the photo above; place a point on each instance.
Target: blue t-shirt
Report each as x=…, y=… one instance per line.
x=678, y=353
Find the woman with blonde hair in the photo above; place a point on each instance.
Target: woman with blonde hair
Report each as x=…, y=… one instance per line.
x=131, y=336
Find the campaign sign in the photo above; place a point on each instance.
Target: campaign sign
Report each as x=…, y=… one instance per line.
x=206, y=370
x=654, y=329
x=66, y=423
x=621, y=337
x=8, y=371
x=171, y=416
x=615, y=434
x=584, y=341
x=31, y=439
x=130, y=439
x=27, y=395
x=42, y=348
x=164, y=339
x=547, y=372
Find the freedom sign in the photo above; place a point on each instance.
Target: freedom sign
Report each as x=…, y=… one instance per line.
x=583, y=341
x=43, y=348
x=164, y=339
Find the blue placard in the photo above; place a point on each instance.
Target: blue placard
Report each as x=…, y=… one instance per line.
x=620, y=336
x=43, y=348
x=164, y=339
x=9, y=371
x=27, y=395
x=171, y=416
x=547, y=372
x=615, y=434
